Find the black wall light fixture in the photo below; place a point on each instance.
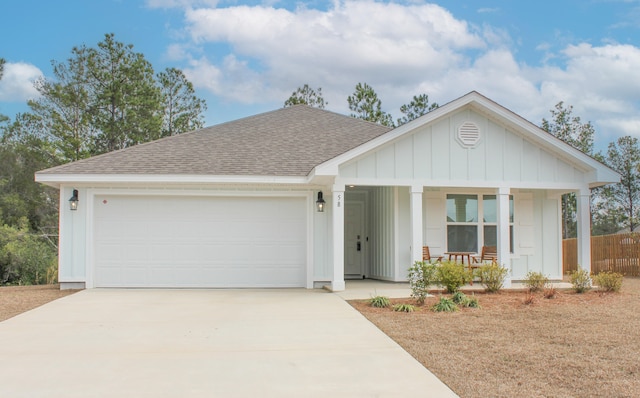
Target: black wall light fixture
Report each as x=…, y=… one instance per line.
x=73, y=201
x=320, y=203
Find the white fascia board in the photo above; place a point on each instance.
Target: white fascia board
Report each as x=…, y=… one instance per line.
x=58, y=179
x=607, y=176
x=391, y=182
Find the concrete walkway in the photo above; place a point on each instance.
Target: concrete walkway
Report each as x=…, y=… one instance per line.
x=205, y=343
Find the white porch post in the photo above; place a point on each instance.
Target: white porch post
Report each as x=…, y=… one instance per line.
x=584, y=229
x=337, y=211
x=416, y=223
x=504, y=252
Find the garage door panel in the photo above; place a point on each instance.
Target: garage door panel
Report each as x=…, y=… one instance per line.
x=200, y=242
x=135, y=254
x=133, y=276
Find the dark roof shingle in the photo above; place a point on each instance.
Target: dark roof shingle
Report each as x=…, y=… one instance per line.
x=285, y=142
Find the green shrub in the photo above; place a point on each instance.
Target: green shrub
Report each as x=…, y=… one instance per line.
x=463, y=300
x=403, y=308
x=581, y=280
x=471, y=302
x=445, y=305
x=25, y=258
x=535, y=281
x=421, y=276
x=492, y=276
x=609, y=281
x=459, y=297
x=379, y=302
x=452, y=276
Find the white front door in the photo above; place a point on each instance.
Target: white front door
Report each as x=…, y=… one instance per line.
x=354, y=239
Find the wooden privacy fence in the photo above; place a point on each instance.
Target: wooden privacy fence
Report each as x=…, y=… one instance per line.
x=618, y=253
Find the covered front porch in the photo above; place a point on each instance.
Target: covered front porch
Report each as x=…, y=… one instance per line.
x=384, y=228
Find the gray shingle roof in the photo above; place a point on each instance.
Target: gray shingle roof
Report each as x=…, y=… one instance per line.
x=285, y=142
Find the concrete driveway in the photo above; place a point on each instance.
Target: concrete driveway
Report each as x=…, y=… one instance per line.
x=204, y=343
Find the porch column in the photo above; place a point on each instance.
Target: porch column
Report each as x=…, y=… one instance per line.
x=504, y=252
x=337, y=211
x=416, y=223
x=584, y=228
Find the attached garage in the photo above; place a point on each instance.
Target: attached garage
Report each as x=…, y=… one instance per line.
x=199, y=241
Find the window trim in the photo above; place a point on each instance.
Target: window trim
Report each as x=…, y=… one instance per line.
x=480, y=223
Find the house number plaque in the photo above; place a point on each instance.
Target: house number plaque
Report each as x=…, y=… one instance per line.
x=339, y=199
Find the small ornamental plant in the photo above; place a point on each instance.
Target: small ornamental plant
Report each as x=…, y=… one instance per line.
x=403, y=308
x=535, y=281
x=529, y=298
x=379, y=302
x=452, y=276
x=421, y=276
x=550, y=291
x=492, y=276
x=444, y=305
x=463, y=300
x=580, y=280
x=609, y=281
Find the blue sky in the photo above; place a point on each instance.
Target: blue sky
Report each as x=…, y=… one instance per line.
x=246, y=57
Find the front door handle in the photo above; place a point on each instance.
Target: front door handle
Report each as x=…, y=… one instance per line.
x=359, y=246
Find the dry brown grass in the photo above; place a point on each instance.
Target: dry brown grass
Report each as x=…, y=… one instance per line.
x=15, y=300
x=575, y=345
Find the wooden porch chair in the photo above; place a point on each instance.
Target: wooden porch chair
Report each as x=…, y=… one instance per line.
x=426, y=256
x=489, y=253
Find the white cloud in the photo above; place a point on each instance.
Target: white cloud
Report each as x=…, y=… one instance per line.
x=231, y=80
x=602, y=84
x=393, y=47
x=17, y=82
x=626, y=125
x=401, y=50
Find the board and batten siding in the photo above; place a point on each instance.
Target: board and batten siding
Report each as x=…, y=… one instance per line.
x=538, y=235
x=72, y=230
x=433, y=153
x=382, y=216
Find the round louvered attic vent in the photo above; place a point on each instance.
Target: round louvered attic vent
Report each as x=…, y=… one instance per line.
x=468, y=134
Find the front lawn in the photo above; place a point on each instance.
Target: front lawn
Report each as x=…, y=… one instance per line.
x=575, y=345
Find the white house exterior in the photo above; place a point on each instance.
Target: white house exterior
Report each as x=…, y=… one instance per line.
x=234, y=205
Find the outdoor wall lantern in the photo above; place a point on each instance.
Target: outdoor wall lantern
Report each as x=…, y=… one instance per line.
x=320, y=203
x=73, y=201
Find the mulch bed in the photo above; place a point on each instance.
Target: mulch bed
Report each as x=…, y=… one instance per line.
x=573, y=345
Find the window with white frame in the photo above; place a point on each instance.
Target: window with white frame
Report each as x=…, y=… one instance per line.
x=473, y=223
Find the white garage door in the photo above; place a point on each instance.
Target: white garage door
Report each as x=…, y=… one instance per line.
x=166, y=241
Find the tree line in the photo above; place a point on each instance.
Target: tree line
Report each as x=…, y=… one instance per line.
x=614, y=208
x=102, y=98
